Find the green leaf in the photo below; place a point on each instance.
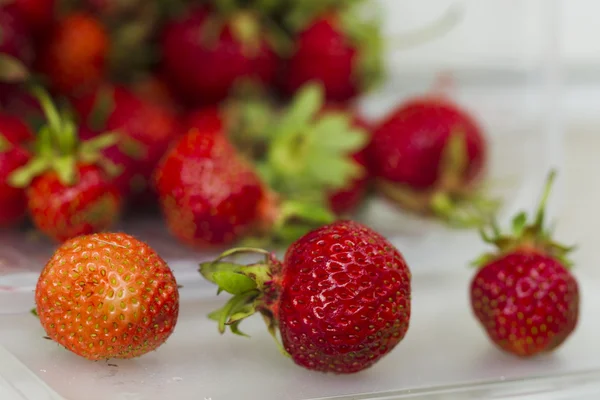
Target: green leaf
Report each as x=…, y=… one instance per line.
x=307, y=102
x=233, y=282
x=235, y=329
x=208, y=269
x=100, y=142
x=103, y=107
x=12, y=70
x=331, y=172
x=244, y=312
x=23, y=176
x=518, y=223
x=33, y=312
x=65, y=169
x=5, y=145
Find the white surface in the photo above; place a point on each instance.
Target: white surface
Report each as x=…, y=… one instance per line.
x=444, y=345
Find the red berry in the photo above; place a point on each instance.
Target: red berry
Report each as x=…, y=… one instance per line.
x=524, y=295
x=340, y=299
x=117, y=298
x=205, y=56
x=15, y=38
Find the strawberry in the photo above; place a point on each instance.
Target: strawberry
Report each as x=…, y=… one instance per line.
x=206, y=53
x=69, y=192
x=209, y=195
x=145, y=129
x=153, y=88
x=16, y=101
x=340, y=299
x=524, y=295
x=428, y=156
x=107, y=295
x=335, y=48
x=73, y=56
x=13, y=134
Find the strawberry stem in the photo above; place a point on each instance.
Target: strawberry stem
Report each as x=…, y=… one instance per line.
x=541, y=211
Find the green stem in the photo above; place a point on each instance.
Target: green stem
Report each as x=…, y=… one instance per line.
x=541, y=211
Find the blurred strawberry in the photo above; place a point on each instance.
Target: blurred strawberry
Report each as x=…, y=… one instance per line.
x=205, y=54
x=153, y=88
x=334, y=47
x=14, y=134
x=37, y=15
x=16, y=101
x=73, y=57
x=145, y=129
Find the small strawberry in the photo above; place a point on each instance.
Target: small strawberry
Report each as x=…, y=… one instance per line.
x=145, y=130
x=69, y=193
x=107, y=295
x=73, y=56
x=16, y=49
x=13, y=135
x=340, y=299
x=205, y=54
x=334, y=47
x=524, y=295
x=428, y=156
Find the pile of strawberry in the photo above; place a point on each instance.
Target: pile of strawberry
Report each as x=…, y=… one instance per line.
x=234, y=118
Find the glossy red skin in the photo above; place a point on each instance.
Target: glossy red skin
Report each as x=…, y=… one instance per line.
x=74, y=54
x=122, y=304
x=15, y=38
x=527, y=302
x=209, y=196
x=407, y=147
x=323, y=54
x=345, y=298
x=63, y=212
x=203, y=74
x=153, y=127
x=37, y=15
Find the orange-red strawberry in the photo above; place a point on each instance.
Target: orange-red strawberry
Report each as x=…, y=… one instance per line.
x=107, y=295
x=340, y=299
x=69, y=191
x=73, y=56
x=524, y=295
x=145, y=130
x=428, y=156
x=205, y=54
x=13, y=135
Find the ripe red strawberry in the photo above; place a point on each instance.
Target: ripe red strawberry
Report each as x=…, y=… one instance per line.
x=69, y=192
x=154, y=89
x=145, y=130
x=524, y=295
x=428, y=156
x=13, y=135
x=340, y=299
x=116, y=297
x=74, y=54
x=341, y=53
x=209, y=195
x=205, y=54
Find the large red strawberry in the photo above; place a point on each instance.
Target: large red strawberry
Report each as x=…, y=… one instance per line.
x=524, y=295
x=107, y=295
x=340, y=299
x=145, y=130
x=73, y=56
x=14, y=134
x=69, y=192
x=205, y=54
x=16, y=49
x=336, y=49
x=428, y=156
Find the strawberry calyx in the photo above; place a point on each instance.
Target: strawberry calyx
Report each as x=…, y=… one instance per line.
x=452, y=200
x=255, y=288
x=526, y=237
x=310, y=153
x=58, y=148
